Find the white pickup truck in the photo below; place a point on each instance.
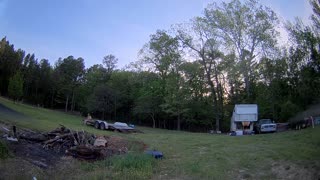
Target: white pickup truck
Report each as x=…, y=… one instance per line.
x=265, y=125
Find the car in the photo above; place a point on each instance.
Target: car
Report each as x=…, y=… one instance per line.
x=265, y=125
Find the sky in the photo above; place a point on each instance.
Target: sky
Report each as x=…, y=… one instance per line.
x=92, y=29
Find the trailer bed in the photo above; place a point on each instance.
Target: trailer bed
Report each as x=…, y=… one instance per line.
x=113, y=127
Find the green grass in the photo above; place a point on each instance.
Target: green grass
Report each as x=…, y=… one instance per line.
x=4, y=152
x=129, y=166
x=188, y=155
x=42, y=119
x=134, y=166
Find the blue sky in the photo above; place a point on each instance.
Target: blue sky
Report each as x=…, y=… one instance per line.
x=92, y=29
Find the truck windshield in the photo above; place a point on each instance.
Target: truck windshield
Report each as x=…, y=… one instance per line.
x=265, y=121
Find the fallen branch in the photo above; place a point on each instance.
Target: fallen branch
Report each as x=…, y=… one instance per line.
x=58, y=137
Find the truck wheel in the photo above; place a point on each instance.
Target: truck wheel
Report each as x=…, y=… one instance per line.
x=102, y=126
x=96, y=125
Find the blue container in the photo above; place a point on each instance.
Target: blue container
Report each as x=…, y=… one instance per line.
x=155, y=154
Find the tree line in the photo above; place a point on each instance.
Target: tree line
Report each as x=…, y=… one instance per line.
x=188, y=79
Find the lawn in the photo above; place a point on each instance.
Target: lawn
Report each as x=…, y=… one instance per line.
x=291, y=154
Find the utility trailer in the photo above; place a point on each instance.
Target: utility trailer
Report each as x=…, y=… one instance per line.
x=117, y=126
x=243, y=118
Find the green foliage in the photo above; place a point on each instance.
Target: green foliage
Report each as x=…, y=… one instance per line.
x=15, y=88
x=101, y=100
x=68, y=74
x=110, y=62
x=10, y=63
x=162, y=53
x=249, y=28
x=316, y=10
x=148, y=100
x=288, y=109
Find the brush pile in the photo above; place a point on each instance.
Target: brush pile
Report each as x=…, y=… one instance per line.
x=79, y=144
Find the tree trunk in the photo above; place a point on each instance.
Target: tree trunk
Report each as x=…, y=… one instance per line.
x=178, y=123
x=208, y=71
x=52, y=97
x=215, y=102
x=219, y=100
x=115, y=109
x=217, y=123
x=153, y=121
x=247, y=87
x=37, y=96
x=72, y=100
x=66, y=107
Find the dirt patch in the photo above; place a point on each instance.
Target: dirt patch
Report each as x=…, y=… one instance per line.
x=34, y=153
x=289, y=170
x=28, y=152
x=281, y=170
x=117, y=143
x=20, y=168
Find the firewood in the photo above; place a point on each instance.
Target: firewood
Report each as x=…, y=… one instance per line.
x=58, y=137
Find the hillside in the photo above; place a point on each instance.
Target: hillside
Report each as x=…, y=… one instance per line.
x=287, y=155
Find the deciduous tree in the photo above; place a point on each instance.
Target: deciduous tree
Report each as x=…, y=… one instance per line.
x=15, y=88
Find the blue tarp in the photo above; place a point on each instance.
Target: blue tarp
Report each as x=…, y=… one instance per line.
x=155, y=154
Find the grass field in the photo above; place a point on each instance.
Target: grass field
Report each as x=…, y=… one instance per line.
x=287, y=155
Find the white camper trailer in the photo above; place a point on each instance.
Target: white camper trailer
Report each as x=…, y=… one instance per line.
x=243, y=117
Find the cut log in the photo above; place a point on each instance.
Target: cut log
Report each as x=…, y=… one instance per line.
x=33, y=137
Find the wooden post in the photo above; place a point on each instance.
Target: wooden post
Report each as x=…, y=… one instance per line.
x=14, y=129
x=312, y=121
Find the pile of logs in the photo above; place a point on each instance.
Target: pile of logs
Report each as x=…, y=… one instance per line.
x=79, y=144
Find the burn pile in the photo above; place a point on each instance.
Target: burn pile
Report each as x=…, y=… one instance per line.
x=79, y=144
